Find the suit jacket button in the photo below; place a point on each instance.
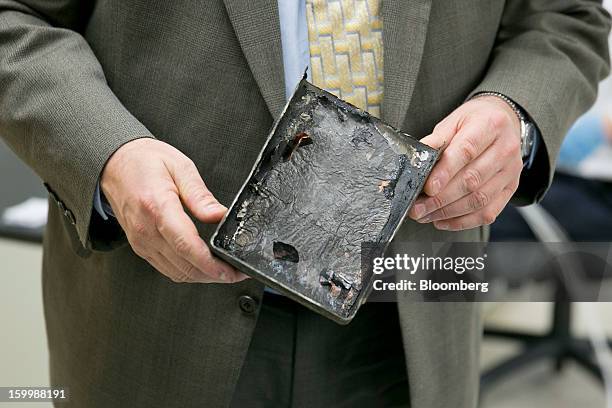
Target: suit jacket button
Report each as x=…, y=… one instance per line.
x=247, y=304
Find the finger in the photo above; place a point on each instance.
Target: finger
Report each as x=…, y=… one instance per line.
x=485, y=216
x=474, y=201
x=439, y=139
x=194, y=193
x=151, y=246
x=181, y=235
x=473, y=138
x=178, y=270
x=468, y=180
x=166, y=268
x=182, y=270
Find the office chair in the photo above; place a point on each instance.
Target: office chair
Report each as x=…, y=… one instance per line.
x=558, y=344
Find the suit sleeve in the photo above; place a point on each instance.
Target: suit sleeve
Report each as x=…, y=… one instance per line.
x=549, y=57
x=56, y=110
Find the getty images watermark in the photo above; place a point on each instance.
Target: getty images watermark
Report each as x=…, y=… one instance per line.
x=483, y=272
x=422, y=263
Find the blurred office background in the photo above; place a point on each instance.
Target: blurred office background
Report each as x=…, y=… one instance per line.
x=531, y=381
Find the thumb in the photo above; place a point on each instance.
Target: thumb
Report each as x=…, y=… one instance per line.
x=195, y=195
x=441, y=135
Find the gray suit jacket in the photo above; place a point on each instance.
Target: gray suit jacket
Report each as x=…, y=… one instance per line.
x=78, y=79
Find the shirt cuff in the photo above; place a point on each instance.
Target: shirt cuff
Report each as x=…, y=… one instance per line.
x=101, y=205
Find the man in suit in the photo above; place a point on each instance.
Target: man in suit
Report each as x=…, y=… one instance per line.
x=126, y=108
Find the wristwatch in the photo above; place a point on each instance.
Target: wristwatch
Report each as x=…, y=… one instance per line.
x=528, y=128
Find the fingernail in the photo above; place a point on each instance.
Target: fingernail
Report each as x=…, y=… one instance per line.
x=435, y=186
x=424, y=220
x=419, y=210
x=212, y=207
x=223, y=276
x=442, y=226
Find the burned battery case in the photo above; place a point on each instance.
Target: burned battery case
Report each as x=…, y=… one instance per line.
x=329, y=178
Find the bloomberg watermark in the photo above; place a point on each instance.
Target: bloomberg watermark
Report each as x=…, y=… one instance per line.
x=481, y=272
x=413, y=264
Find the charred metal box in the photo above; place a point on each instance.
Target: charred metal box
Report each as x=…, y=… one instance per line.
x=329, y=178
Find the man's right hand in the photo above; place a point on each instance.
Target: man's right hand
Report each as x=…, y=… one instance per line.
x=147, y=182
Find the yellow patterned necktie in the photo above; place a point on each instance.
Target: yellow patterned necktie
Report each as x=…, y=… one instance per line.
x=346, y=50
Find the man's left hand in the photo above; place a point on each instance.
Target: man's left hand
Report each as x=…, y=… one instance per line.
x=479, y=167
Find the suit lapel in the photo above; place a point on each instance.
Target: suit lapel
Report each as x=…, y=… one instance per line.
x=404, y=32
x=257, y=27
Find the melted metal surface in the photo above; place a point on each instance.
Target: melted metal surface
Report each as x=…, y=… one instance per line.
x=330, y=178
